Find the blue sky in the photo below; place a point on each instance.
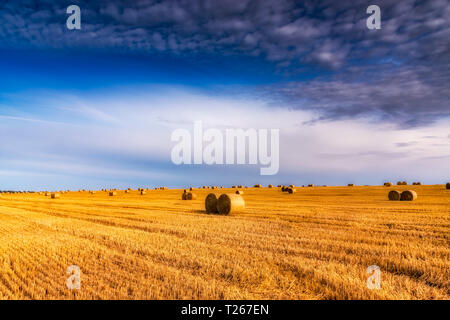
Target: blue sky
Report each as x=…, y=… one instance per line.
x=95, y=107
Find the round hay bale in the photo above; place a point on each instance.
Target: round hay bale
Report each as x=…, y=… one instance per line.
x=228, y=203
x=183, y=196
x=399, y=183
x=350, y=185
x=279, y=186
x=408, y=195
x=143, y=192
x=55, y=195
x=239, y=192
x=310, y=185
x=112, y=193
x=257, y=186
x=388, y=184
x=190, y=189
x=291, y=190
x=394, y=195
x=447, y=186
x=270, y=186
x=211, y=203
x=191, y=196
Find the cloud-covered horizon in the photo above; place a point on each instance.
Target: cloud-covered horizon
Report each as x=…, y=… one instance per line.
x=123, y=140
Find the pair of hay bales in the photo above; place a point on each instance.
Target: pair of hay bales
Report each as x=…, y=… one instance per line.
x=225, y=204
x=257, y=186
x=188, y=196
x=350, y=185
x=289, y=189
x=408, y=195
x=402, y=183
x=417, y=183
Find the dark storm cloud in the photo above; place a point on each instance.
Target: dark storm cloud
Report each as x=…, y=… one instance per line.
x=399, y=73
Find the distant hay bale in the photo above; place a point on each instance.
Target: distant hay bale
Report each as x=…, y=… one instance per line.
x=190, y=189
x=143, y=192
x=183, y=195
x=163, y=188
x=55, y=195
x=191, y=196
x=228, y=203
x=240, y=186
x=91, y=192
x=213, y=187
x=270, y=186
x=310, y=185
x=127, y=191
x=239, y=192
x=257, y=186
x=388, y=184
x=408, y=195
x=211, y=203
x=291, y=186
x=204, y=187
x=350, y=185
x=394, y=195
x=447, y=186
x=404, y=183
x=279, y=186
x=112, y=193
x=418, y=183
x=291, y=190
x=399, y=183
x=233, y=187
x=324, y=185
x=47, y=194
x=284, y=188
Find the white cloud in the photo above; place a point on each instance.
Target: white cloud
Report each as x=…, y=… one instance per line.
x=140, y=141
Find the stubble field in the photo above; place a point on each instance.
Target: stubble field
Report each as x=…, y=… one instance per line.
x=313, y=244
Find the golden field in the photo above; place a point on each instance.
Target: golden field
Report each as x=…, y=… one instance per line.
x=313, y=244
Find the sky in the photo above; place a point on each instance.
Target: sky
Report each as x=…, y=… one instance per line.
x=95, y=108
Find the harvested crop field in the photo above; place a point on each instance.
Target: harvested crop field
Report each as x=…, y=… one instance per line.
x=313, y=244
